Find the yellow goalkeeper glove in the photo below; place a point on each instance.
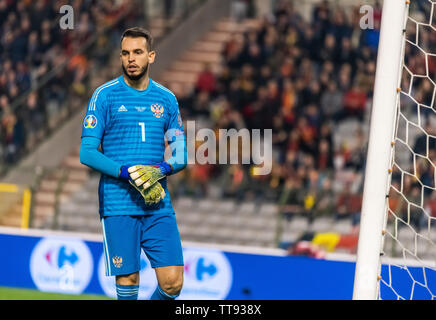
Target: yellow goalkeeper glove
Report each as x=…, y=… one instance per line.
x=151, y=195
x=147, y=175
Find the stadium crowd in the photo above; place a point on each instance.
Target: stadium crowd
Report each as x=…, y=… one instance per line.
x=304, y=79
x=35, y=50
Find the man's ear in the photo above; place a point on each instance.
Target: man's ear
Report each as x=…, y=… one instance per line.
x=151, y=56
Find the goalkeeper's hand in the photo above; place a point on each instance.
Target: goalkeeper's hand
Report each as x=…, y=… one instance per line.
x=146, y=176
x=152, y=195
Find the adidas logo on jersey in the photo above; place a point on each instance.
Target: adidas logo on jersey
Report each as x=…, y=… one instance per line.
x=122, y=109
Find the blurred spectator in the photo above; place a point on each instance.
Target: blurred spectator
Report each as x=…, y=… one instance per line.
x=348, y=204
x=235, y=178
x=32, y=49
x=34, y=113
x=199, y=178
x=324, y=199
x=316, y=245
x=206, y=80
x=354, y=104
x=331, y=100
x=291, y=199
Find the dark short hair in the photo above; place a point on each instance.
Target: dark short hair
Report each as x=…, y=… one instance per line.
x=138, y=32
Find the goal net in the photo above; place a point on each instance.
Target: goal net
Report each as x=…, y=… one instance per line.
x=407, y=248
x=410, y=230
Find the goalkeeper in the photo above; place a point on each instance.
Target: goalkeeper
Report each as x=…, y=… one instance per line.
x=131, y=117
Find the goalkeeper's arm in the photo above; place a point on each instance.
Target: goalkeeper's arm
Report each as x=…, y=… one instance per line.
x=93, y=158
x=179, y=158
x=90, y=156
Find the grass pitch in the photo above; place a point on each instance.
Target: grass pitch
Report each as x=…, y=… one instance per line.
x=29, y=294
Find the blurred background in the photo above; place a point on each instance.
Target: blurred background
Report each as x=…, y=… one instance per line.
x=304, y=69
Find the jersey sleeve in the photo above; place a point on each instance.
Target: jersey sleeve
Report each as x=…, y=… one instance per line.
x=93, y=158
x=174, y=128
x=175, y=135
x=95, y=118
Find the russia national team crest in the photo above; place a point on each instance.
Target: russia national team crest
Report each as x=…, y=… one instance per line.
x=90, y=122
x=118, y=261
x=157, y=110
x=147, y=278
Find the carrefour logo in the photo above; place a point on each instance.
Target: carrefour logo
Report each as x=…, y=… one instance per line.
x=204, y=270
x=207, y=275
x=61, y=265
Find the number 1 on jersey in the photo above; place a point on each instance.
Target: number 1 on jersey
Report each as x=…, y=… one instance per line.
x=142, y=125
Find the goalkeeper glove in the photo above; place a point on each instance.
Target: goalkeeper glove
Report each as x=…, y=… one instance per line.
x=146, y=176
x=151, y=195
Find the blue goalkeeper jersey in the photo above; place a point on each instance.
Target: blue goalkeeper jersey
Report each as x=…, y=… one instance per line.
x=132, y=126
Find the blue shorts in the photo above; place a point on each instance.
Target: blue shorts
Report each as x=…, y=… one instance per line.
x=125, y=236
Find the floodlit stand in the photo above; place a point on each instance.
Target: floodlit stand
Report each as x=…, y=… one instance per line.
x=389, y=60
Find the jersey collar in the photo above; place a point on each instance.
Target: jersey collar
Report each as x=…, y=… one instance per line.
x=133, y=90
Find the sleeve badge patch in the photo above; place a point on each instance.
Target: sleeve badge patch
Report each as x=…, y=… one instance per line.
x=90, y=122
x=179, y=120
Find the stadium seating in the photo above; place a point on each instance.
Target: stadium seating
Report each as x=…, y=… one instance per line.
x=66, y=199
x=183, y=74
x=258, y=214
x=55, y=188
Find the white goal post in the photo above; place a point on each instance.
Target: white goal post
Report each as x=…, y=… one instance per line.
x=378, y=164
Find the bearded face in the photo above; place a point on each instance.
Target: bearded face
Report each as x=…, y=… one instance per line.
x=135, y=58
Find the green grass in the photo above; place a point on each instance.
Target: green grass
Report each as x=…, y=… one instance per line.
x=29, y=294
